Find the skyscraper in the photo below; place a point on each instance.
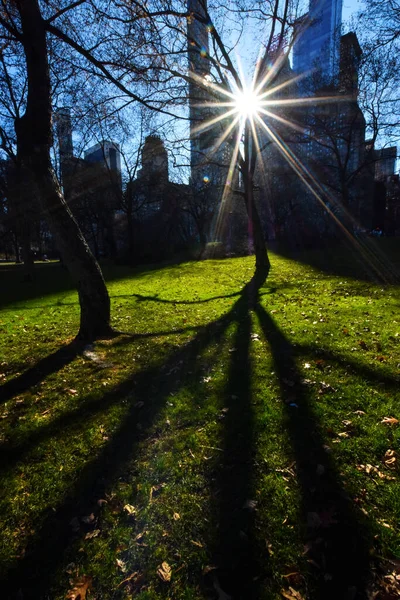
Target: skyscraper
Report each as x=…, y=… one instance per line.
x=317, y=47
x=201, y=142
x=64, y=132
x=106, y=153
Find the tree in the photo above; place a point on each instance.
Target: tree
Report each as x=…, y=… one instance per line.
x=24, y=26
x=378, y=27
x=34, y=140
x=228, y=78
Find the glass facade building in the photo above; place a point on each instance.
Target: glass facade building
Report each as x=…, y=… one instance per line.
x=317, y=47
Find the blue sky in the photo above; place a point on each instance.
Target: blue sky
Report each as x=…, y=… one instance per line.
x=349, y=7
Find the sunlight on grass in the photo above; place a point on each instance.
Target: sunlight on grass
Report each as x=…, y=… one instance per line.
x=185, y=442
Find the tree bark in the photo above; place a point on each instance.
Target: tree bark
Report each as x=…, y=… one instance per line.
x=34, y=139
x=255, y=228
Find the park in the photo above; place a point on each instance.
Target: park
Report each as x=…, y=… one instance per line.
x=199, y=300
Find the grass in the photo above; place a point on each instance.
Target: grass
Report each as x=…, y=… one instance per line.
x=240, y=443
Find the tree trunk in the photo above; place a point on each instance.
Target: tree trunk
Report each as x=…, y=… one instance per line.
x=34, y=139
x=27, y=256
x=255, y=228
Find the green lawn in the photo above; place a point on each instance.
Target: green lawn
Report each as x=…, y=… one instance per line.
x=220, y=448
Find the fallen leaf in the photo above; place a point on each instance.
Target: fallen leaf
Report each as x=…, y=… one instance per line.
x=154, y=490
x=164, y=572
x=325, y=387
x=177, y=516
x=208, y=569
x=134, y=580
x=73, y=392
x=359, y=412
x=131, y=510
x=198, y=544
x=80, y=588
x=121, y=564
x=291, y=594
x=371, y=470
x=389, y=421
x=390, y=459
x=92, y=534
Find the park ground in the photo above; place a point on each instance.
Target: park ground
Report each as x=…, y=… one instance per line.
x=221, y=447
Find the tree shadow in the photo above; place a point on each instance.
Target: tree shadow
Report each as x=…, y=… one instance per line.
x=234, y=553
x=65, y=355
x=53, y=278
x=46, y=366
x=34, y=573
x=365, y=259
x=335, y=533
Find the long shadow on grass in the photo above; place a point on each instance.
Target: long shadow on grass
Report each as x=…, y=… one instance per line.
x=46, y=366
x=234, y=552
x=45, y=552
x=336, y=536
x=366, y=259
x=52, y=278
x=62, y=357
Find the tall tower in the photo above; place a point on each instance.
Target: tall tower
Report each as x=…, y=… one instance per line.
x=64, y=133
x=202, y=143
x=317, y=48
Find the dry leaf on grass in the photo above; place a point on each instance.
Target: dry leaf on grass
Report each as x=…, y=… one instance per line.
x=291, y=594
x=121, y=564
x=131, y=510
x=389, y=421
x=80, y=588
x=371, y=470
x=92, y=534
x=164, y=572
x=390, y=459
x=134, y=580
x=177, y=516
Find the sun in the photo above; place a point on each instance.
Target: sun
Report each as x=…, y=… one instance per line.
x=247, y=103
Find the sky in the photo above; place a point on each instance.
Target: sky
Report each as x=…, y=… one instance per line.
x=350, y=7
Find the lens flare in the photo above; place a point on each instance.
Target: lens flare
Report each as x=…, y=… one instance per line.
x=247, y=103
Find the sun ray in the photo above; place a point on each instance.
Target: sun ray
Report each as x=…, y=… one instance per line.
x=287, y=122
x=227, y=187
x=207, y=84
x=218, y=143
x=252, y=105
x=282, y=86
x=208, y=124
x=374, y=262
x=270, y=74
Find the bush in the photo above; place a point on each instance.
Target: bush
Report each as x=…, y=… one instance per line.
x=214, y=250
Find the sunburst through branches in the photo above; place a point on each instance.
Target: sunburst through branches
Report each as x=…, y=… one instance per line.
x=259, y=107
